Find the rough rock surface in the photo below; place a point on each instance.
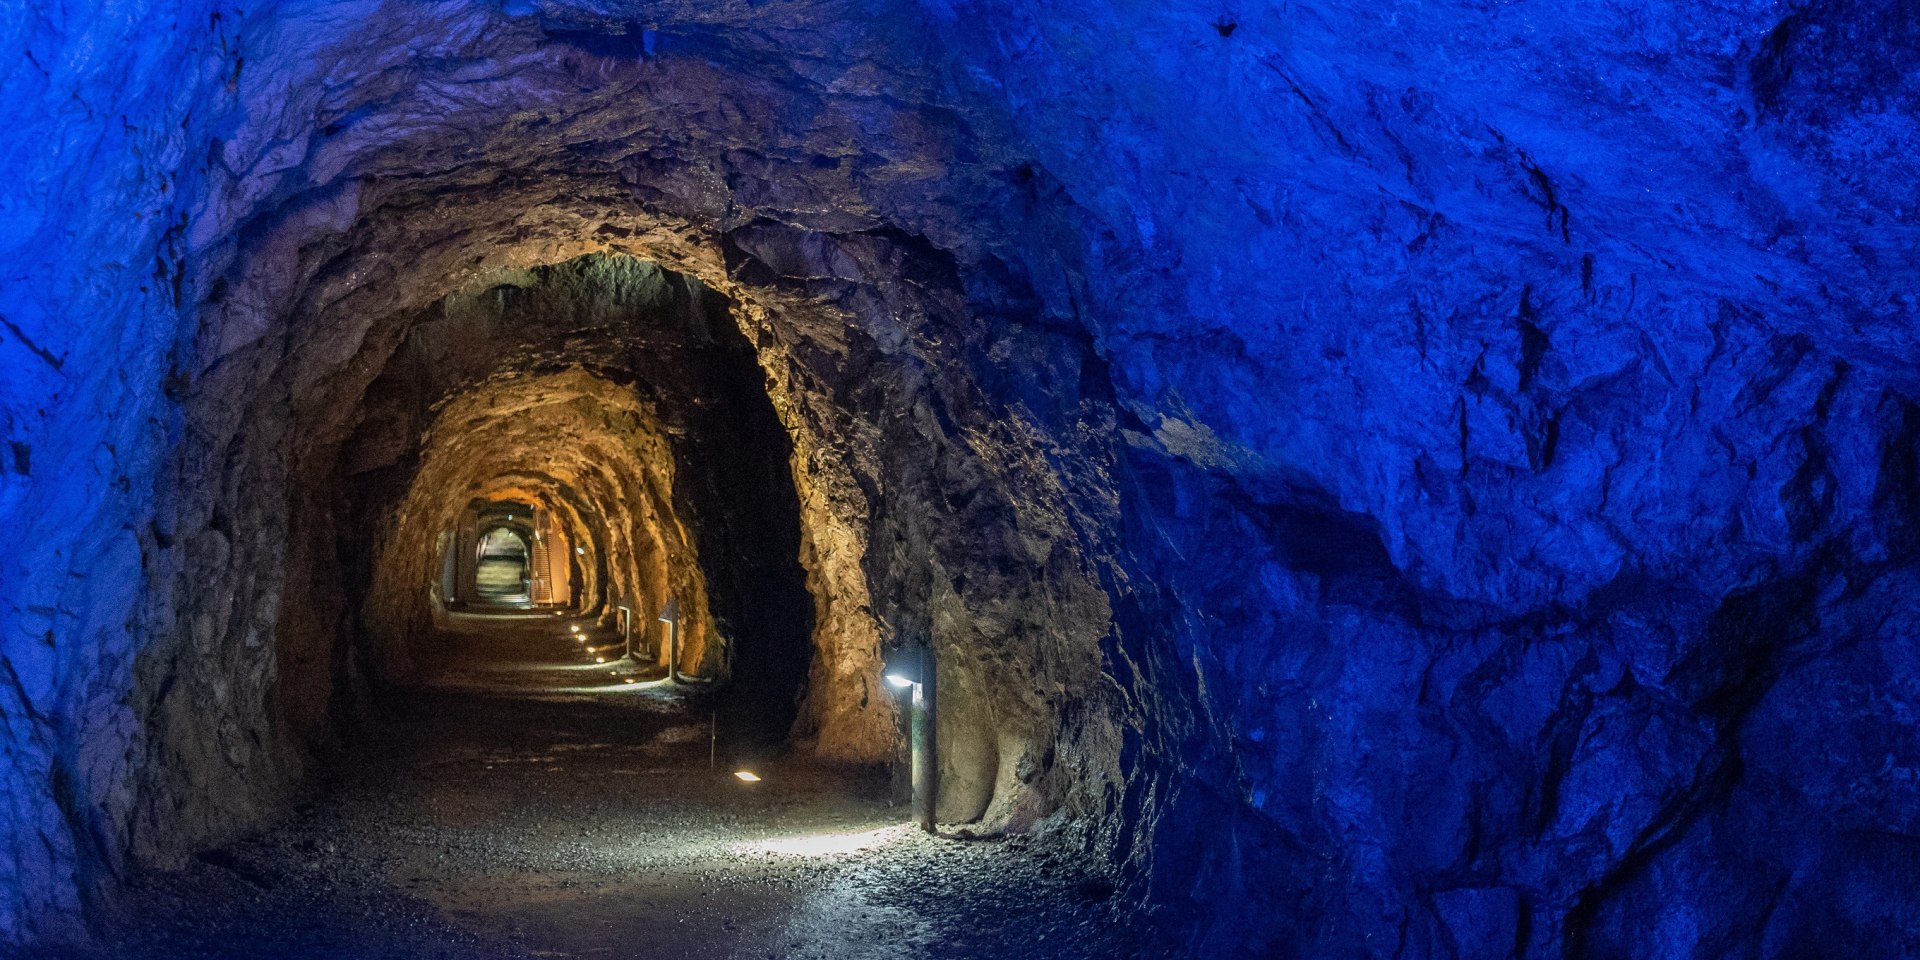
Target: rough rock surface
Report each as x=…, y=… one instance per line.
x=442, y=865
x=676, y=475
x=426, y=849
x=1412, y=480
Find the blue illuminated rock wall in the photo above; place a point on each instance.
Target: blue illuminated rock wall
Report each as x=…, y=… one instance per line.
x=1530, y=463
x=1501, y=470
x=105, y=113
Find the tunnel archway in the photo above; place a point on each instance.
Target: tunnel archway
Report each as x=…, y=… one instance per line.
x=914, y=510
x=943, y=418
x=1340, y=495
x=503, y=568
x=660, y=477
x=532, y=545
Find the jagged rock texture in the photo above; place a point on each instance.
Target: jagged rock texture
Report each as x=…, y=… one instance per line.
x=1415, y=481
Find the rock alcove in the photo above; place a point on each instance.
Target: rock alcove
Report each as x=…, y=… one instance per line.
x=1373, y=493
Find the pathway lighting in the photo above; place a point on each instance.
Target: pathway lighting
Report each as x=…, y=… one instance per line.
x=913, y=669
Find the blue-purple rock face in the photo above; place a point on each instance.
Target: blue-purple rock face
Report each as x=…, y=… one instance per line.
x=1397, y=480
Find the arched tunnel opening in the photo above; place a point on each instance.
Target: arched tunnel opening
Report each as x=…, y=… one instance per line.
x=498, y=479
x=593, y=441
x=546, y=482
x=503, y=568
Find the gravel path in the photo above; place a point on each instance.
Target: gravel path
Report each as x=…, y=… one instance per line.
x=546, y=807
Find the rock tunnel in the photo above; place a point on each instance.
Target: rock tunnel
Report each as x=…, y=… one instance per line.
x=1413, y=481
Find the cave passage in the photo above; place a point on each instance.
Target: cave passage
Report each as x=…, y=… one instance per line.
x=1407, y=481
x=595, y=443
x=571, y=551
x=503, y=571
x=540, y=795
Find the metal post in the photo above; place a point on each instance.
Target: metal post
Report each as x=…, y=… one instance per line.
x=670, y=615
x=713, y=741
x=926, y=755
x=626, y=629
x=673, y=649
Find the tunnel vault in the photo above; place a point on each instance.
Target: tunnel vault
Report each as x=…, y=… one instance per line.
x=816, y=430
x=621, y=403
x=1385, y=495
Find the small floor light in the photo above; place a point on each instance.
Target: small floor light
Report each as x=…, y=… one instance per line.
x=747, y=776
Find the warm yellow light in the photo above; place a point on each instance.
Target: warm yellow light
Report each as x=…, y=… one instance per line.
x=632, y=680
x=575, y=628
x=599, y=659
x=747, y=776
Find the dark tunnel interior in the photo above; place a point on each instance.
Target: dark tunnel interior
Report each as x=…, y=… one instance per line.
x=619, y=410
x=861, y=479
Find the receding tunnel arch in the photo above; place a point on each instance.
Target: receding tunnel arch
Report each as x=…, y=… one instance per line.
x=876, y=314
x=888, y=458
x=843, y=310
x=1376, y=565
x=666, y=463
x=503, y=565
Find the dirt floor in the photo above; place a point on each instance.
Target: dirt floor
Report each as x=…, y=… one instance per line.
x=533, y=803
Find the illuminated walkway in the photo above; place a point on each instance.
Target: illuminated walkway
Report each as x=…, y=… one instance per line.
x=532, y=805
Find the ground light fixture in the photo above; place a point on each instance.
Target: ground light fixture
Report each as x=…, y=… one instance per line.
x=912, y=668
x=746, y=776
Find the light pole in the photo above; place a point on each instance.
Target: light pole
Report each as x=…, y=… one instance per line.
x=670, y=615
x=914, y=669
